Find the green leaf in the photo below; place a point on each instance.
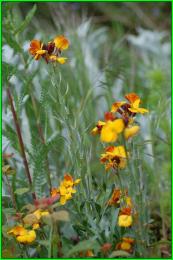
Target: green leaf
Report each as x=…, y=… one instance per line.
x=118, y=253
x=12, y=42
x=27, y=20
x=21, y=191
x=43, y=243
x=83, y=246
x=7, y=72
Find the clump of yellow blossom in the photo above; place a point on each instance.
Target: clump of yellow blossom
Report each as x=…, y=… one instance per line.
x=125, y=217
x=120, y=120
x=50, y=52
x=22, y=234
x=66, y=189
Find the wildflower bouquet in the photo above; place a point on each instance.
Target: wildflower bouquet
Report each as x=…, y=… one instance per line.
x=70, y=188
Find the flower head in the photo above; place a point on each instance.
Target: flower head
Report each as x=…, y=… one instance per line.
x=126, y=244
x=27, y=238
x=114, y=157
x=111, y=129
x=66, y=188
x=115, y=198
x=51, y=52
x=134, y=103
x=125, y=217
x=125, y=221
x=36, y=49
x=61, y=43
x=23, y=235
x=131, y=131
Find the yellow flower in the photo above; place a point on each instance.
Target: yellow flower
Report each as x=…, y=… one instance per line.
x=130, y=131
x=23, y=235
x=110, y=131
x=126, y=244
x=97, y=129
x=36, y=49
x=18, y=230
x=125, y=217
x=125, y=221
x=61, y=43
x=134, y=104
x=61, y=60
x=115, y=157
x=66, y=189
x=39, y=213
x=35, y=226
x=27, y=238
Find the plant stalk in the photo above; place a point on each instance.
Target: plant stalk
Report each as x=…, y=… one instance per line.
x=19, y=135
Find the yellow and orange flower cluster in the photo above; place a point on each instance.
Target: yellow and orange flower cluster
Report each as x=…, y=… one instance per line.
x=50, y=52
x=121, y=199
x=119, y=121
x=66, y=189
x=22, y=233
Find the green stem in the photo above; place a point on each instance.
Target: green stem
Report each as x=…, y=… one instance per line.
x=50, y=241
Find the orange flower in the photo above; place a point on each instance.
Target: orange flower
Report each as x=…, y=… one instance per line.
x=36, y=49
x=117, y=105
x=115, y=198
x=51, y=52
x=134, y=103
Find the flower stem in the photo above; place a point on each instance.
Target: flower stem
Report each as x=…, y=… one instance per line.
x=19, y=135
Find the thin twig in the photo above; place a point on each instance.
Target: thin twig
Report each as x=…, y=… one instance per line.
x=19, y=135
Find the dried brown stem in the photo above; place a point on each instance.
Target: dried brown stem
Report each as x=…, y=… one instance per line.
x=19, y=135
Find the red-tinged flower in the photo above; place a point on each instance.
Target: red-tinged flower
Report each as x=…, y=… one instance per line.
x=50, y=52
x=36, y=49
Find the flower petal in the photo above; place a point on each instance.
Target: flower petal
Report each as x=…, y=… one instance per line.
x=61, y=42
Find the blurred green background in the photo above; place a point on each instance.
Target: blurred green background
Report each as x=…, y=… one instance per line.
x=115, y=48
